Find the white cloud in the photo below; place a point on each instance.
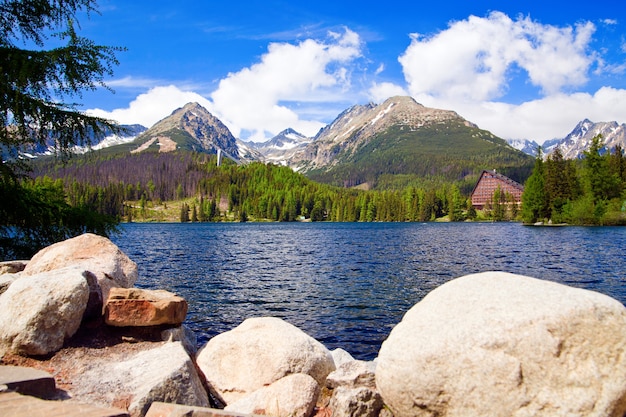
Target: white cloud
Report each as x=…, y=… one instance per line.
x=252, y=101
x=380, y=92
x=152, y=106
x=467, y=68
x=470, y=59
x=312, y=70
x=545, y=118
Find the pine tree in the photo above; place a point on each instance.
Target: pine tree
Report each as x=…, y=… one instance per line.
x=601, y=182
x=35, y=82
x=35, y=87
x=534, y=201
x=184, y=213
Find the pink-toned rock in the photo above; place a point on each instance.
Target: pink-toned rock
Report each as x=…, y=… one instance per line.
x=137, y=307
x=89, y=252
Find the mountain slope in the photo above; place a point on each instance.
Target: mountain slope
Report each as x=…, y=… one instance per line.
x=282, y=147
x=403, y=138
x=579, y=139
x=191, y=127
x=529, y=147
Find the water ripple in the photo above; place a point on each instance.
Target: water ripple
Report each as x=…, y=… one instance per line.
x=348, y=284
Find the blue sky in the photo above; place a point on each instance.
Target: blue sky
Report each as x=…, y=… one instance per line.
x=521, y=69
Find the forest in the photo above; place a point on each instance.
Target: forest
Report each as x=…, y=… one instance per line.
x=130, y=187
x=186, y=186
x=588, y=191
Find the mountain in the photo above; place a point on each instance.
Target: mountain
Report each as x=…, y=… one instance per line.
x=527, y=146
x=549, y=145
x=282, y=147
x=127, y=135
x=579, y=139
x=191, y=128
x=403, y=139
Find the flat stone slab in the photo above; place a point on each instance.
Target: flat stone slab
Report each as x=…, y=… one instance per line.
x=17, y=405
x=28, y=381
x=159, y=409
x=136, y=307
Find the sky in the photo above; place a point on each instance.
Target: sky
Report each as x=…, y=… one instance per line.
x=520, y=69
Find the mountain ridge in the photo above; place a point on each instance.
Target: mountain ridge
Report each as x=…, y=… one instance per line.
x=580, y=138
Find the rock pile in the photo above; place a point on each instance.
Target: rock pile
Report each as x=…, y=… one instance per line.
x=489, y=344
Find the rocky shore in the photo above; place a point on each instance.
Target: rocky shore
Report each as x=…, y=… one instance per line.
x=488, y=344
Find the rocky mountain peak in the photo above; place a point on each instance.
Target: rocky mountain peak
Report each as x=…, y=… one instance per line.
x=283, y=146
x=197, y=128
x=360, y=123
x=580, y=138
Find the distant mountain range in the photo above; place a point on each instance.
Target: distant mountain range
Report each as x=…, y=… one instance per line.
x=398, y=141
x=394, y=143
x=578, y=140
x=282, y=148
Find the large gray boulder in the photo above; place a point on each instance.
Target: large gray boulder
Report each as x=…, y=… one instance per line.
x=258, y=352
x=498, y=344
x=93, y=253
x=164, y=373
x=39, y=312
x=292, y=396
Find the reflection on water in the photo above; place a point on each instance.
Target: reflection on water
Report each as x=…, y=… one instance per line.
x=348, y=284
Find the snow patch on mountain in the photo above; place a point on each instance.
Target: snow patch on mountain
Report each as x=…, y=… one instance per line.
x=579, y=140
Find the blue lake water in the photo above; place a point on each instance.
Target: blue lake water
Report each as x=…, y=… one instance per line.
x=348, y=284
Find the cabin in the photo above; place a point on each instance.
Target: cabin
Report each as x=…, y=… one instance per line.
x=488, y=183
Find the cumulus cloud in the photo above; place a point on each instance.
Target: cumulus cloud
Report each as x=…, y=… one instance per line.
x=380, y=92
x=152, y=106
x=471, y=58
x=250, y=100
x=258, y=102
x=549, y=117
x=467, y=68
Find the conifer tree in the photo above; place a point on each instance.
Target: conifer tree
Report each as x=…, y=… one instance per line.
x=534, y=202
x=38, y=80
x=36, y=83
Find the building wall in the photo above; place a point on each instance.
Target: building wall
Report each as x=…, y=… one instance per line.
x=488, y=183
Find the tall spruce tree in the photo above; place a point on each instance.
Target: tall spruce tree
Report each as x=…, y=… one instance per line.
x=534, y=200
x=44, y=64
x=602, y=182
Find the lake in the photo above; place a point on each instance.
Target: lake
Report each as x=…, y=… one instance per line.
x=348, y=284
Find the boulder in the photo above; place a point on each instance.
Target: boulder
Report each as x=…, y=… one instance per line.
x=12, y=267
x=292, y=396
x=93, y=253
x=353, y=374
x=355, y=402
x=258, y=352
x=164, y=373
x=137, y=307
x=6, y=280
x=184, y=335
x=340, y=356
x=9, y=272
x=39, y=312
x=354, y=393
x=498, y=344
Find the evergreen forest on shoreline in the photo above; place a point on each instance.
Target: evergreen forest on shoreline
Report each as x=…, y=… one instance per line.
x=186, y=186
x=95, y=192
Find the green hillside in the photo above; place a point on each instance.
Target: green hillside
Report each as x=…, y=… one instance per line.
x=449, y=152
